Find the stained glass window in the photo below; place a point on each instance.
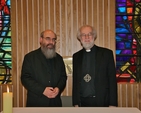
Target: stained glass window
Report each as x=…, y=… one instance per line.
x=5, y=42
x=128, y=40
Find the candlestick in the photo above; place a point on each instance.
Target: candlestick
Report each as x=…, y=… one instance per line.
x=7, y=101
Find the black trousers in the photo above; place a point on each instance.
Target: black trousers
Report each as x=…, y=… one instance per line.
x=88, y=102
x=54, y=102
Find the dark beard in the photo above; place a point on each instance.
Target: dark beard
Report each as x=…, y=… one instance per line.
x=49, y=53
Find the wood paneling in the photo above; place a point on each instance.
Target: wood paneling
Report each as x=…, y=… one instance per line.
x=30, y=17
x=129, y=95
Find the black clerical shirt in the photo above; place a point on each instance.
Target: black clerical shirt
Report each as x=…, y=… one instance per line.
x=87, y=88
x=50, y=63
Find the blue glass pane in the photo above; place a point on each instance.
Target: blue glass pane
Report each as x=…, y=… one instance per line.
x=121, y=30
x=118, y=51
x=122, y=9
x=127, y=45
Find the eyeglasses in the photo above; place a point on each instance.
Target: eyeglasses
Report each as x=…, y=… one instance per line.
x=89, y=35
x=50, y=39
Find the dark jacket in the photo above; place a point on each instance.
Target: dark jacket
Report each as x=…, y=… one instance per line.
x=105, y=77
x=36, y=76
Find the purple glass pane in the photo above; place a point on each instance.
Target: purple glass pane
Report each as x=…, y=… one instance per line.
x=122, y=35
x=119, y=18
x=120, y=0
x=120, y=45
x=127, y=52
x=121, y=4
x=130, y=37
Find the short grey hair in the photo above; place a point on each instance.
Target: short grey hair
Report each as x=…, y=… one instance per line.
x=42, y=33
x=93, y=31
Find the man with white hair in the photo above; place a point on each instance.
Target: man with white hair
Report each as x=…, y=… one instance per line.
x=94, y=73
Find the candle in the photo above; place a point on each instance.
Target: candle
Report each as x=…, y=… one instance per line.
x=7, y=101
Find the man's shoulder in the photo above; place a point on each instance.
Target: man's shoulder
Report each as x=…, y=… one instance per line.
x=78, y=52
x=58, y=55
x=103, y=49
x=33, y=52
x=98, y=48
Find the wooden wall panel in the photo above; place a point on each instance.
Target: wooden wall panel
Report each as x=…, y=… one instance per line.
x=129, y=95
x=30, y=17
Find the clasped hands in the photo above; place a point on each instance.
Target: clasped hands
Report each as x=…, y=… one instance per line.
x=51, y=92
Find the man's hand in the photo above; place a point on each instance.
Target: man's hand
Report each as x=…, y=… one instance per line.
x=51, y=92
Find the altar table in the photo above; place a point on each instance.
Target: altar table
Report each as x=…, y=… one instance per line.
x=75, y=110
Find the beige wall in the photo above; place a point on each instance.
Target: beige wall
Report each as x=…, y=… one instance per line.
x=30, y=17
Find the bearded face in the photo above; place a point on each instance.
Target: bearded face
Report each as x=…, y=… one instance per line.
x=87, y=37
x=48, y=50
x=48, y=42
x=87, y=45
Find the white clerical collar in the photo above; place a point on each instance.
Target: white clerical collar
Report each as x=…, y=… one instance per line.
x=88, y=50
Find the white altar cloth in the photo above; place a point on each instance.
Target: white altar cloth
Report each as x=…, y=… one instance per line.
x=75, y=110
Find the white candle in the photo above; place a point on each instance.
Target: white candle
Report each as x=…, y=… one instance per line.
x=7, y=101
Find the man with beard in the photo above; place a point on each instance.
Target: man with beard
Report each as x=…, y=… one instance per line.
x=43, y=73
x=94, y=73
